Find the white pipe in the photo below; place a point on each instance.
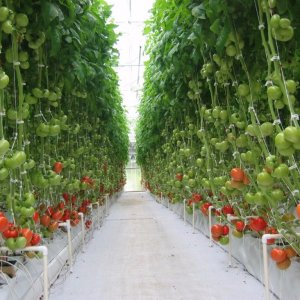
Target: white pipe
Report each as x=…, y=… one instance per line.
x=70, y=244
x=44, y=250
x=229, y=248
x=68, y=226
x=264, y=241
x=210, y=208
x=161, y=196
x=98, y=213
x=91, y=212
x=193, y=217
x=184, y=211
x=82, y=228
x=106, y=204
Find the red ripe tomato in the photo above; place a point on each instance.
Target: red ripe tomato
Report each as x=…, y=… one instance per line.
x=204, y=208
x=179, y=176
x=61, y=205
x=257, y=224
x=11, y=232
x=237, y=174
x=45, y=220
x=217, y=230
x=66, y=197
x=53, y=226
x=283, y=265
x=271, y=230
x=57, y=215
x=239, y=226
x=4, y=223
x=36, y=239
x=225, y=230
x=74, y=222
x=278, y=255
x=49, y=211
x=246, y=180
x=58, y=166
x=298, y=210
x=36, y=217
x=27, y=234
x=197, y=197
x=227, y=210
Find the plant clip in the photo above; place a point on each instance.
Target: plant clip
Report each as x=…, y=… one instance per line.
x=269, y=83
x=295, y=192
x=226, y=84
x=16, y=63
x=294, y=117
x=27, y=142
x=38, y=115
x=275, y=58
x=251, y=108
x=261, y=26
x=41, y=65
x=19, y=122
x=215, y=84
x=23, y=173
x=2, y=114
x=276, y=122
x=235, y=154
x=294, y=166
x=231, y=126
x=234, y=83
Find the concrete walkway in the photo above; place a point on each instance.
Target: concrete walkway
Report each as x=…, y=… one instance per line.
x=144, y=251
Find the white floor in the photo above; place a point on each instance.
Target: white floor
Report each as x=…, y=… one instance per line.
x=144, y=251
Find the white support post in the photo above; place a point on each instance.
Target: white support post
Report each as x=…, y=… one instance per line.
x=70, y=253
x=210, y=208
x=264, y=241
x=193, y=217
x=232, y=218
x=106, y=204
x=82, y=229
x=98, y=214
x=168, y=203
x=184, y=211
x=161, y=197
x=44, y=250
x=91, y=213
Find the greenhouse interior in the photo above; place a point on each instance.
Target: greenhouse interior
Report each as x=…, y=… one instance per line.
x=149, y=149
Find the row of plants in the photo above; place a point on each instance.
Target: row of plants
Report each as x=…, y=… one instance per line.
x=63, y=131
x=219, y=117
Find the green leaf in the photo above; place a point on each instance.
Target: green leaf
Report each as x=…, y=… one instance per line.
x=215, y=27
x=55, y=38
x=222, y=38
x=50, y=12
x=199, y=12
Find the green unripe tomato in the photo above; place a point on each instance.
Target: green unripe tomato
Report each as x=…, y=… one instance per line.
x=292, y=134
x=266, y=129
x=4, y=13
x=7, y=27
x=3, y=174
x=272, y=3
x=264, y=179
x=243, y=90
x=21, y=20
x=284, y=23
x=282, y=171
x=291, y=86
x=4, y=80
x=4, y=146
x=281, y=143
x=275, y=20
x=274, y=92
x=231, y=50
